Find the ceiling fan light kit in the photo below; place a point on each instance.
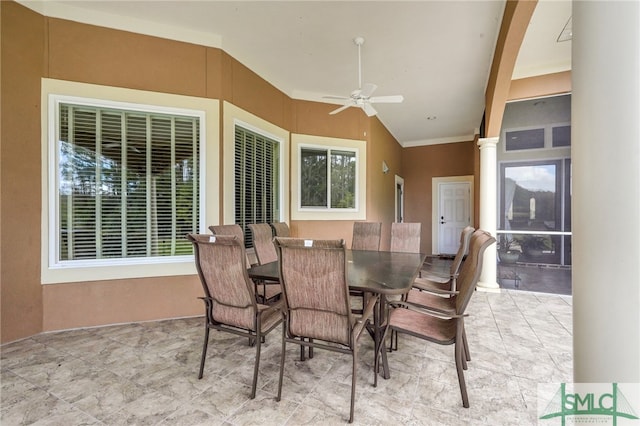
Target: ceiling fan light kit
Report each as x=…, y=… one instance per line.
x=361, y=97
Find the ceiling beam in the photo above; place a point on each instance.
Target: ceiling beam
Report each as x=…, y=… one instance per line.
x=515, y=21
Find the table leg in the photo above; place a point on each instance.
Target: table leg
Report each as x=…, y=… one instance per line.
x=379, y=327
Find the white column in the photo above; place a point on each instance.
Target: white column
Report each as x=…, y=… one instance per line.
x=488, y=209
x=605, y=153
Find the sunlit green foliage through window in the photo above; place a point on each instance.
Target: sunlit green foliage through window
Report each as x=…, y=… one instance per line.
x=327, y=174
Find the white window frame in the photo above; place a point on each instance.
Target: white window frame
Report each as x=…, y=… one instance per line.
x=233, y=116
x=280, y=171
x=329, y=151
x=57, y=91
x=327, y=213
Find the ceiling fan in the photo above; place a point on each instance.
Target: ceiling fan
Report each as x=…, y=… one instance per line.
x=361, y=97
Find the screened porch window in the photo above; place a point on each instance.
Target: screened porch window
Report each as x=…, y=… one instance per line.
x=128, y=183
x=536, y=210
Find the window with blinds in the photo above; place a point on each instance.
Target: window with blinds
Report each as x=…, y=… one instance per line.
x=127, y=182
x=257, y=180
x=327, y=178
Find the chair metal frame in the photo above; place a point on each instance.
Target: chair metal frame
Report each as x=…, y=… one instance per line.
x=304, y=266
x=232, y=274
x=446, y=327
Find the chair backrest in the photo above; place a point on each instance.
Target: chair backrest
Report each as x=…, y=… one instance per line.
x=263, y=243
x=234, y=230
x=366, y=236
x=472, y=268
x=281, y=229
x=465, y=236
x=405, y=237
x=221, y=264
x=314, y=283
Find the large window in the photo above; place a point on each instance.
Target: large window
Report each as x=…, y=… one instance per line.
x=257, y=166
x=127, y=182
x=536, y=204
x=327, y=178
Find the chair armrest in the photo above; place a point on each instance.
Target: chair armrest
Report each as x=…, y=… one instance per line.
x=277, y=306
x=429, y=287
x=424, y=310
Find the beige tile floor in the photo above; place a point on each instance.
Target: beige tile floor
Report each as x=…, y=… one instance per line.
x=146, y=374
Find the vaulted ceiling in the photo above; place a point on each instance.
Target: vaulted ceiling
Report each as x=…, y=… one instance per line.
x=437, y=54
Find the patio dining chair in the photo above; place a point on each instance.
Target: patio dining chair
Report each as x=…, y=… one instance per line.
x=440, y=297
x=366, y=236
x=263, y=242
x=265, y=293
x=232, y=229
x=431, y=281
x=446, y=328
x=281, y=229
x=405, y=237
x=316, y=296
x=265, y=253
x=229, y=298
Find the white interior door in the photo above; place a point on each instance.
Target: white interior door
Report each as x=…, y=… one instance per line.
x=454, y=213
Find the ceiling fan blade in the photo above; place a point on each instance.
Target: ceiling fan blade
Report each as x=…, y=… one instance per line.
x=391, y=99
x=337, y=98
x=342, y=108
x=368, y=109
x=367, y=90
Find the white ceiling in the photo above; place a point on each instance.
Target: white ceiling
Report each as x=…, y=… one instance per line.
x=436, y=53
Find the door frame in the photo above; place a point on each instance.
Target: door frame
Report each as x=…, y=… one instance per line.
x=435, y=203
x=399, y=181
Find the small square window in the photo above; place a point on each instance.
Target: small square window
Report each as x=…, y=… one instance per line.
x=561, y=136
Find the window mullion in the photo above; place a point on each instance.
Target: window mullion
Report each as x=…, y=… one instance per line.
x=196, y=172
x=98, y=185
x=329, y=179
x=70, y=199
x=254, y=181
x=174, y=194
x=124, y=185
x=263, y=190
x=150, y=199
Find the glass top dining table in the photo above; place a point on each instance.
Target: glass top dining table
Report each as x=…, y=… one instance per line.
x=380, y=272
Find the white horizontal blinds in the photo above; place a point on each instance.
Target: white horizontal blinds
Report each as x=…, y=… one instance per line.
x=187, y=182
x=343, y=179
x=256, y=179
x=128, y=183
x=78, y=187
x=135, y=206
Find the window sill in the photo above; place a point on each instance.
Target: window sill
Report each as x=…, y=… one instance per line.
x=94, y=271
